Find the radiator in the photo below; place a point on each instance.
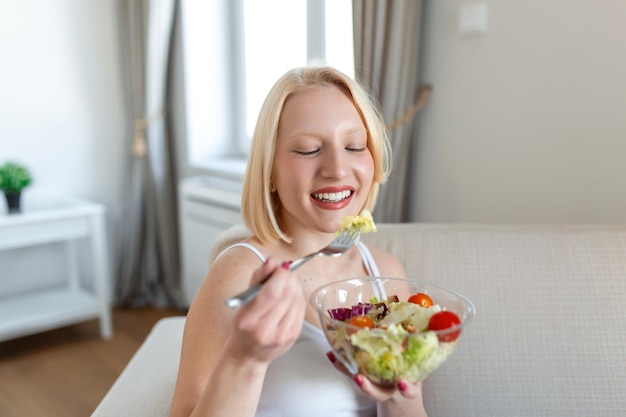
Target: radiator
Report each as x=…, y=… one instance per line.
x=207, y=206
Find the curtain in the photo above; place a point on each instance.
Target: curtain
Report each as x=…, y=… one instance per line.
x=149, y=268
x=386, y=49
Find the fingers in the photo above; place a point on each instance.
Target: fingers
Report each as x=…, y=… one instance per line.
x=410, y=390
x=284, y=293
x=265, y=271
x=378, y=392
x=404, y=388
x=338, y=364
x=275, y=316
x=249, y=316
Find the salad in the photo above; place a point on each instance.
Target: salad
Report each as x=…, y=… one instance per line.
x=392, y=339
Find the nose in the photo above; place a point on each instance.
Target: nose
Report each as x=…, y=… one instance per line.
x=334, y=163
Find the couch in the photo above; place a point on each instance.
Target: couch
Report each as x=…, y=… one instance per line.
x=549, y=337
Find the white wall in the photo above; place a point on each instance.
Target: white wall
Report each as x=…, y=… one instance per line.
x=528, y=122
x=61, y=101
x=61, y=106
x=525, y=124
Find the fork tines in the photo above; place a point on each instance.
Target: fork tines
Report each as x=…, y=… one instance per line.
x=352, y=233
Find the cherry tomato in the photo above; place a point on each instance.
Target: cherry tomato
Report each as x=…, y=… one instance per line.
x=362, y=321
x=421, y=299
x=444, y=320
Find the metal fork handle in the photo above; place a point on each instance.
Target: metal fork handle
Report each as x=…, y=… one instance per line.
x=299, y=262
x=344, y=241
x=249, y=294
x=244, y=297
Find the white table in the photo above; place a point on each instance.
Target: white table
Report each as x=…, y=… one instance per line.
x=46, y=309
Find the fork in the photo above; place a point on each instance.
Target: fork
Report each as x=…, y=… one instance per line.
x=340, y=245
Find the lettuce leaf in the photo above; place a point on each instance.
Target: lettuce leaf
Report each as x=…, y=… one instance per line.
x=389, y=354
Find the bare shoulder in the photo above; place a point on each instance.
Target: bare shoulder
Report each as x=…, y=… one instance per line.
x=209, y=321
x=387, y=263
x=229, y=273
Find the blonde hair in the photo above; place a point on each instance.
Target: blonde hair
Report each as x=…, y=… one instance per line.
x=259, y=205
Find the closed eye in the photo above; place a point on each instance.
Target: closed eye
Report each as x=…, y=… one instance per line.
x=307, y=153
x=356, y=149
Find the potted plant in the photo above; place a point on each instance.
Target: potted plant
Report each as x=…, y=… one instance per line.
x=13, y=178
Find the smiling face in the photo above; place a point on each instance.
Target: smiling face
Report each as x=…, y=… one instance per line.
x=323, y=169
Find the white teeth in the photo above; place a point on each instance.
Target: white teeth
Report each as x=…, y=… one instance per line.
x=333, y=197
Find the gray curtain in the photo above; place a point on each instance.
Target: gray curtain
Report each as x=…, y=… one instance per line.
x=149, y=272
x=386, y=49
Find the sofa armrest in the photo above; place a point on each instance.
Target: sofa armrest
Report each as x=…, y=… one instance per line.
x=146, y=386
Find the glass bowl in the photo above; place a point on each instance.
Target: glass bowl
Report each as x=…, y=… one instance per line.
x=389, y=352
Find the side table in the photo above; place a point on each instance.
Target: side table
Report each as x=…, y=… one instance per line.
x=47, y=309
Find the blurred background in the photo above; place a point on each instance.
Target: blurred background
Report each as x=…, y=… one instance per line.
x=525, y=122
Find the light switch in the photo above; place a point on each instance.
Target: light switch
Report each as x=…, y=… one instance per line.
x=472, y=19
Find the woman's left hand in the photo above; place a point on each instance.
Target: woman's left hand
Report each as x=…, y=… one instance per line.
x=379, y=393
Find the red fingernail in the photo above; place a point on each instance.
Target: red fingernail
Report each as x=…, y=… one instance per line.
x=402, y=386
x=286, y=264
x=359, y=380
x=331, y=356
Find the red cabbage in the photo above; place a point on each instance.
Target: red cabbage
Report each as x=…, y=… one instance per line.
x=341, y=313
x=361, y=309
x=344, y=313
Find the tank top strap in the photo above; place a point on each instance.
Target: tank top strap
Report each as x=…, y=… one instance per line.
x=372, y=269
x=368, y=259
x=366, y=256
x=244, y=245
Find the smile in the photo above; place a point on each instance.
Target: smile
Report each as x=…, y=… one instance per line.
x=332, y=197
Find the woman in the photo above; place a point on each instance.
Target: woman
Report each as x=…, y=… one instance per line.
x=319, y=153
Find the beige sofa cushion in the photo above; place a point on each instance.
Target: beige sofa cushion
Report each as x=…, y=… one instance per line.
x=549, y=337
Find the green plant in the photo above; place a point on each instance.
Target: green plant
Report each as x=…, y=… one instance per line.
x=14, y=177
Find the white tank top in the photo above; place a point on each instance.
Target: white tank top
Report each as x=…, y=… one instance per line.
x=303, y=382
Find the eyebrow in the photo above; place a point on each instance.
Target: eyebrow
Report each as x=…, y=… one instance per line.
x=319, y=135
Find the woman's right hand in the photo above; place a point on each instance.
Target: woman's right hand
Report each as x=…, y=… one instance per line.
x=269, y=325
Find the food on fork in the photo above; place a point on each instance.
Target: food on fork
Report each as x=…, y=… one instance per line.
x=364, y=219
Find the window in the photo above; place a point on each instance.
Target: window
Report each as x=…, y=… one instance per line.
x=235, y=50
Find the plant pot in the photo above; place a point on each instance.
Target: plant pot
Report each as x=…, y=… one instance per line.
x=13, y=201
